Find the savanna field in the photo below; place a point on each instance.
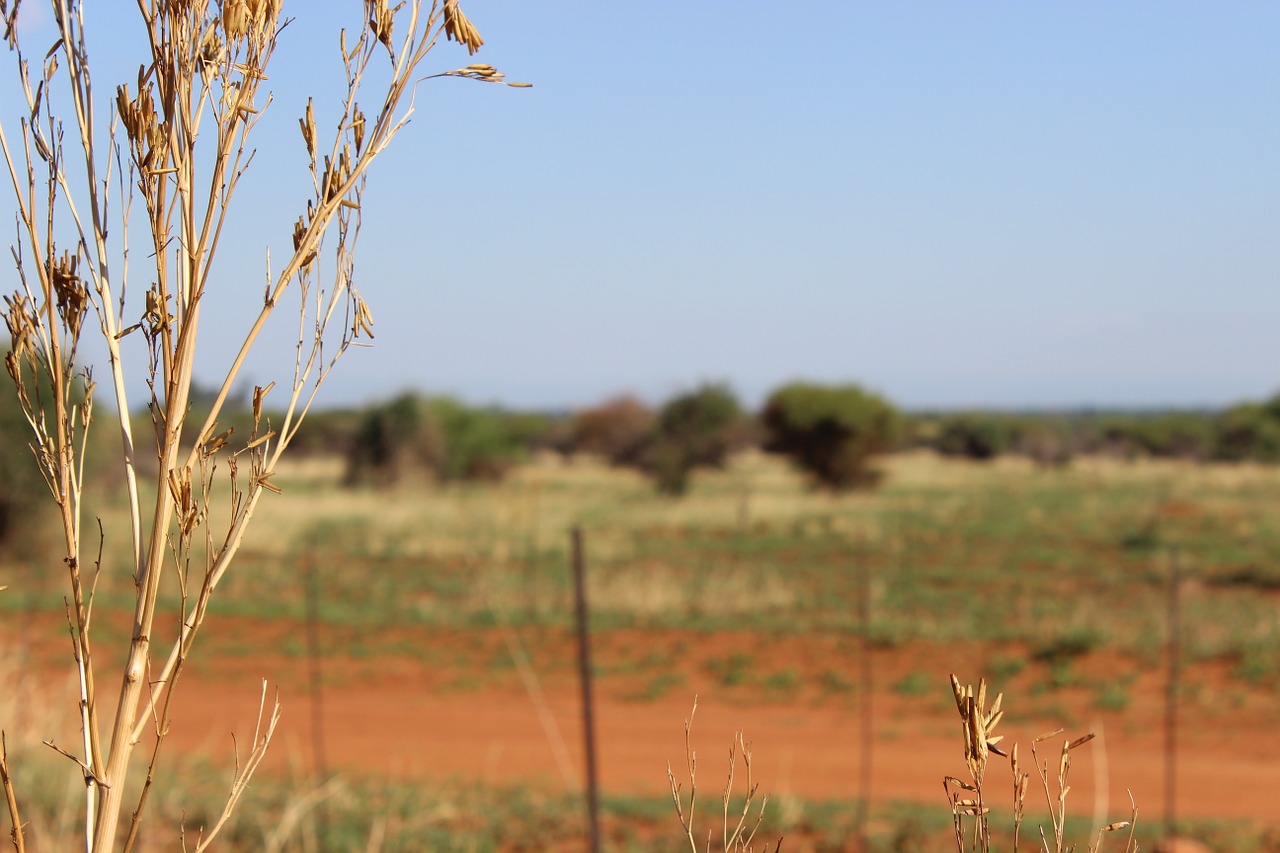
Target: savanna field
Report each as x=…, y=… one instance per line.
x=423, y=644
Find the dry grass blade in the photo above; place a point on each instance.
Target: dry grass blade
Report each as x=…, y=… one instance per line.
x=691, y=762
x=240, y=781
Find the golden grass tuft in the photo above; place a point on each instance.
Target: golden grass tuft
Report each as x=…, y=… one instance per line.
x=970, y=808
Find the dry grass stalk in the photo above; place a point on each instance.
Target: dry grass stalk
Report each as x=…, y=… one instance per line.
x=203, y=79
x=11, y=798
x=737, y=829
x=967, y=799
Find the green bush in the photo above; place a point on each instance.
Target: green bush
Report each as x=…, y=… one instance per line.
x=394, y=440
x=22, y=488
x=326, y=432
x=694, y=430
x=973, y=435
x=832, y=432
x=1248, y=431
x=438, y=437
x=1182, y=435
x=25, y=517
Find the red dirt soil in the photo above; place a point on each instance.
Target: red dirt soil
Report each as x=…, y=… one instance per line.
x=460, y=710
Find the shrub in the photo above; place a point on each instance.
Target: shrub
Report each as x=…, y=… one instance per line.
x=619, y=429
x=1248, y=431
x=327, y=433
x=393, y=440
x=479, y=443
x=973, y=435
x=441, y=438
x=832, y=432
x=22, y=489
x=1047, y=442
x=694, y=430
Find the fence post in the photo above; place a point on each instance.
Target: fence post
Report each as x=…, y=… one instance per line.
x=867, y=734
x=1172, y=689
x=584, y=671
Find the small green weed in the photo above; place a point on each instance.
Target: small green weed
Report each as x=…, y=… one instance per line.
x=834, y=681
x=656, y=687
x=1111, y=696
x=782, y=681
x=1002, y=668
x=914, y=683
x=1067, y=646
x=733, y=670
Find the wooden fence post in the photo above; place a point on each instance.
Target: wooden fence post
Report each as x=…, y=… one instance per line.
x=584, y=670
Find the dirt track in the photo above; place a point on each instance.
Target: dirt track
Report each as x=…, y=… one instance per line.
x=403, y=717
x=465, y=712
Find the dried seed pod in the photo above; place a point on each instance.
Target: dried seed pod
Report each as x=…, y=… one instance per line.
x=212, y=52
x=363, y=319
x=457, y=27
x=299, y=235
x=308, y=125
x=72, y=295
x=382, y=22
x=157, y=315
x=1081, y=741
x=357, y=129
x=18, y=316
x=259, y=394
x=235, y=19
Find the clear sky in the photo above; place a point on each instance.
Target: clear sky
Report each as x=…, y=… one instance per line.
x=981, y=203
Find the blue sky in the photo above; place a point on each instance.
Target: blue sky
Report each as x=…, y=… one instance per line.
x=956, y=204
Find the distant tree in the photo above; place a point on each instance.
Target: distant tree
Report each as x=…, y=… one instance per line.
x=694, y=430
x=1248, y=431
x=831, y=431
x=1050, y=442
x=440, y=438
x=22, y=489
x=620, y=430
x=480, y=443
x=394, y=439
x=973, y=435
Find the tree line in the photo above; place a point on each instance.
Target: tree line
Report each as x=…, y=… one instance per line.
x=833, y=432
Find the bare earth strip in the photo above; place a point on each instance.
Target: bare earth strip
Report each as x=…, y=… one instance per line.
x=450, y=717
x=441, y=719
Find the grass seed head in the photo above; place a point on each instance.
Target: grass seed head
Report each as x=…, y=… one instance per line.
x=457, y=27
x=235, y=19
x=382, y=21
x=308, y=125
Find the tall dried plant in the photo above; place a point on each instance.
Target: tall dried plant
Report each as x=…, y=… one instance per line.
x=737, y=829
x=970, y=808
x=171, y=158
